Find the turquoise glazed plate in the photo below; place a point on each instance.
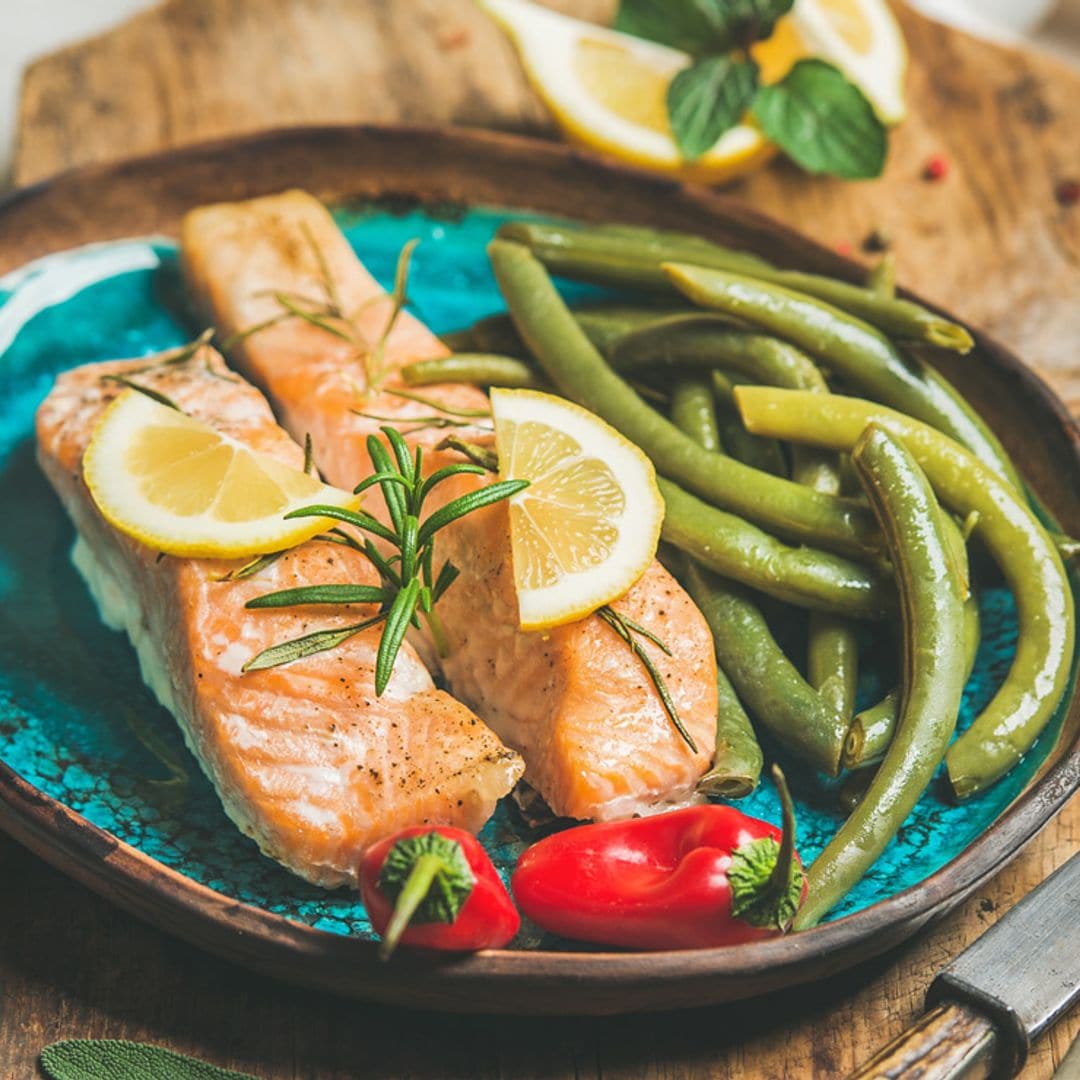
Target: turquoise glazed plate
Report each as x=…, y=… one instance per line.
x=94, y=776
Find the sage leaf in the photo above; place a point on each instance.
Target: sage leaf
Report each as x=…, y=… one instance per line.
x=708, y=98
x=119, y=1059
x=823, y=122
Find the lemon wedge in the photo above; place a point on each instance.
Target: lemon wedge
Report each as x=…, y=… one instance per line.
x=607, y=90
x=587, y=526
x=180, y=487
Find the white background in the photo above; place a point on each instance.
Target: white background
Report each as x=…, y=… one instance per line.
x=29, y=28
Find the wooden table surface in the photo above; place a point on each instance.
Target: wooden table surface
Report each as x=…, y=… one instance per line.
x=990, y=241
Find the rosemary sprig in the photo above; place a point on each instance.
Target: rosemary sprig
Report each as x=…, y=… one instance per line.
x=438, y=406
x=409, y=586
x=328, y=313
x=626, y=629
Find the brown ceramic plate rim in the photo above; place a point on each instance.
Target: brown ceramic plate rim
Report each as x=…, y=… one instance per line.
x=497, y=980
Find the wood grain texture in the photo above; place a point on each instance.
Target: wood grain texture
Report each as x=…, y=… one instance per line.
x=989, y=241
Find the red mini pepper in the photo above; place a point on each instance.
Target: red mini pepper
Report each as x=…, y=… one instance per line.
x=685, y=879
x=435, y=887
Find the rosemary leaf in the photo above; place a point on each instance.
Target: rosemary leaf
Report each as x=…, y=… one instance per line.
x=148, y=391
x=329, y=285
x=357, y=518
x=447, y=472
x=398, y=301
x=309, y=455
x=260, y=562
x=317, y=319
x=397, y=624
x=431, y=403
x=625, y=629
x=242, y=335
x=466, y=504
x=308, y=645
x=320, y=594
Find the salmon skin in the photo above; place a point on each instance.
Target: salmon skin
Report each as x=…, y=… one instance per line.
x=307, y=761
x=574, y=701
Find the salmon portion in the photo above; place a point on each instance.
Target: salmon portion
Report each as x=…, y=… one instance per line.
x=574, y=701
x=307, y=761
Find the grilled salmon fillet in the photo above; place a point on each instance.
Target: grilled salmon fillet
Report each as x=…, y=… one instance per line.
x=307, y=761
x=574, y=701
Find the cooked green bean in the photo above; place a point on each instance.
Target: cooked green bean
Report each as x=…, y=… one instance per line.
x=774, y=691
x=579, y=372
x=764, y=454
x=693, y=411
x=872, y=729
x=737, y=759
x=480, y=369
x=832, y=662
x=802, y=576
x=632, y=260
x=882, y=278
x=933, y=682
x=851, y=348
x=1025, y=702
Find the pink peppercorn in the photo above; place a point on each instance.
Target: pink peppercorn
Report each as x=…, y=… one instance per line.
x=844, y=248
x=936, y=168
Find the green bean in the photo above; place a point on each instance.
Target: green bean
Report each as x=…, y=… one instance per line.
x=693, y=410
x=778, y=696
x=832, y=662
x=480, y=369
x=802, y=576
x=872, y=730
x=579, y=372
x=882, y=278
x=1029, y=561
x=609, y=323
x=931, y=607
x=852, y=349
x=496, y=334
x=737, y=759
x=764, y=454
x=632, y=260
x=854, y=788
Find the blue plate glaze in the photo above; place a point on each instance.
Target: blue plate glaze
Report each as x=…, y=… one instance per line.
x=75, y=719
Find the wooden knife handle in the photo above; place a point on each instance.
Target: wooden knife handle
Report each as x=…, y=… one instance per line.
x=949, y=1042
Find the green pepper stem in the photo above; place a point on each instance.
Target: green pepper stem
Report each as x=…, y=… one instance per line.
x=412, y=895
x=779, y=882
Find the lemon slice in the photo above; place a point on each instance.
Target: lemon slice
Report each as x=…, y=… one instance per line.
x=587, y=526
x=862, y=38
x=607, y=91
x=181, y=487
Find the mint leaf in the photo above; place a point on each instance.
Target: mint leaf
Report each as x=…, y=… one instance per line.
x=706, y=99
x=822, y=122
x=701, y=26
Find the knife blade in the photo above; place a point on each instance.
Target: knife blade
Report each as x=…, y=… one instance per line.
x=998, y=995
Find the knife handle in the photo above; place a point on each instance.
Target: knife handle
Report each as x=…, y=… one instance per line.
x=950, y=1042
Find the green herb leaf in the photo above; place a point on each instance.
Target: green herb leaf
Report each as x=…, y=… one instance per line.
x=320, y=594
x=466, y=504
x=308, y=645
x=118, y=1059
x=707, y=99
x=397, y=623
x=356, y=518
x=146, y=391
x=626, y=629
x=823, y=122
x=701, y=26
x=260, y=562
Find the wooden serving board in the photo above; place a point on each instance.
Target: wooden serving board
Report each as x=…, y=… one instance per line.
x=990, y=242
